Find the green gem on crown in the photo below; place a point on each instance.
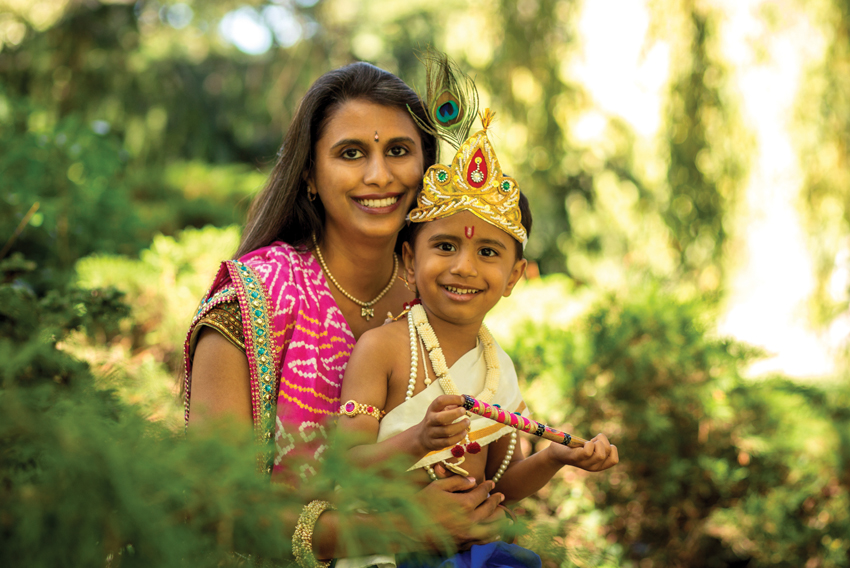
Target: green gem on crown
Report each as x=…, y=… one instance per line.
x=442, y=176
x=506, y=186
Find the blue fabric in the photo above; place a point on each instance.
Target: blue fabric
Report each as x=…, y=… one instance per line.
x=493, y=555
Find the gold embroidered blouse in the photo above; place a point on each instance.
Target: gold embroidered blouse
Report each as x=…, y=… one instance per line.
x=225, y=318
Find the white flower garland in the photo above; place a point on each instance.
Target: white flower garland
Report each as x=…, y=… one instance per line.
x=438, y=360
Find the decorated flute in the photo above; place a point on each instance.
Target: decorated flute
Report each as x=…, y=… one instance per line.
x=521, y=422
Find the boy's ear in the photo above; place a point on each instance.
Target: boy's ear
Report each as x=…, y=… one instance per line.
x=516, y=273
x=407, y=257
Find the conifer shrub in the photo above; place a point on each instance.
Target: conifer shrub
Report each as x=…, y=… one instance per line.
x=162, y=287
x=715, y=470
x=87, y=480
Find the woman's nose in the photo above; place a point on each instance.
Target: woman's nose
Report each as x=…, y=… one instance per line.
x=378, y=171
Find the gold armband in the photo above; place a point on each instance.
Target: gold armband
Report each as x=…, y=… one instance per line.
x=302, y=539
x=352, y=408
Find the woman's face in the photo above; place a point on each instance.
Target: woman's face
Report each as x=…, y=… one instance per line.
x=368, y=166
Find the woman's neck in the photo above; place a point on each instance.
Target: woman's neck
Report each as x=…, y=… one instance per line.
x=360, y=266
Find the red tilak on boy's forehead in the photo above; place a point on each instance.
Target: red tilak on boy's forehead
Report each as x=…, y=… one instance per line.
x=469, y=231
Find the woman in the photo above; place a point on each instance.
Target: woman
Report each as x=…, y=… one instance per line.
x=316, y=268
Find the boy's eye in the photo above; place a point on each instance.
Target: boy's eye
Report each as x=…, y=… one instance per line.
x=488, y=252
x=446, y=247
x=352, y=154
x=398, y=151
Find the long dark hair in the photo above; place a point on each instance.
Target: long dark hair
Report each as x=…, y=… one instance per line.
x=282, y=211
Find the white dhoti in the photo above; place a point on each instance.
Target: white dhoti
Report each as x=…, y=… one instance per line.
x=468, y=374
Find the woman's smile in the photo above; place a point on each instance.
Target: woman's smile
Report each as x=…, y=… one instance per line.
x=378, y=204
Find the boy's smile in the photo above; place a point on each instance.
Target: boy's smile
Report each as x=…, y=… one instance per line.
x=462, y=266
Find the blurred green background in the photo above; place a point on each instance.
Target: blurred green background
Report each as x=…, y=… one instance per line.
x=688, y=165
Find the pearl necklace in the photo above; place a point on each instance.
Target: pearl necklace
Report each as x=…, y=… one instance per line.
x=419, y=327
x=366, y=309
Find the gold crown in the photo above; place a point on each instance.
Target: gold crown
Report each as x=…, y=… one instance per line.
x=474, y=183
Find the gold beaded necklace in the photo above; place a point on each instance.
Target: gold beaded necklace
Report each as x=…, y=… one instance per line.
x=366, y=309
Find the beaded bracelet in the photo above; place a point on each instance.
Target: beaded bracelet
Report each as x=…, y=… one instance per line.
x=302, y=539
x=352, y=408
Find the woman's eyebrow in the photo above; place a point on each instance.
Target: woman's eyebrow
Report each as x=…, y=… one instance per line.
x=348, y=142
x=399, y=139
x=362, y=142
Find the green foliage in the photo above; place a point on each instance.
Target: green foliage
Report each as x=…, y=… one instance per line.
x=822, y=138
x=74, y=176
x=162, y=287
x=83, y=135
x=83, y=477
x=707, y=149
x=86, y=480
x=713, y=467
x=126, y=130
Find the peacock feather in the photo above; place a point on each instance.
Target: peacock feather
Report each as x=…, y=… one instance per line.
x=451, y=100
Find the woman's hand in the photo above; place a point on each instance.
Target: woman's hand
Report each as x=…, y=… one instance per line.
x=438, y=430
x=469, y=514
x=597, y=454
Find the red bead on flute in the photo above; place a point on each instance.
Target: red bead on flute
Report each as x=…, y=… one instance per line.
x=521, y=422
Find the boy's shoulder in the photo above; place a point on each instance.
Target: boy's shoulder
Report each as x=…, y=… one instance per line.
x=390, y=336
x=385, y=347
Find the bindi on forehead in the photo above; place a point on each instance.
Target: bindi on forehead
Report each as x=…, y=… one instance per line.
x=469, y=231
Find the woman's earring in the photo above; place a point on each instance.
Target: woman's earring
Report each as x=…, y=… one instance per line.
x=310, y=195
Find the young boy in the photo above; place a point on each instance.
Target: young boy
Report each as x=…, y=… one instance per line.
x=403, y=382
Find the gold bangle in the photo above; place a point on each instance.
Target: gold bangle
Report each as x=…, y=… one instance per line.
x=352, y=408
x=302, y=538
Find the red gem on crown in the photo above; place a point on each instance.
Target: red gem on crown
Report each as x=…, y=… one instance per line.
x=476, y=171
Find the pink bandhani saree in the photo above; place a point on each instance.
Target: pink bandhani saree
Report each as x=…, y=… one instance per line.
x=297, y=343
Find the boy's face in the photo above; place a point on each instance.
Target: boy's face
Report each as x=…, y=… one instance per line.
x=462, y=266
